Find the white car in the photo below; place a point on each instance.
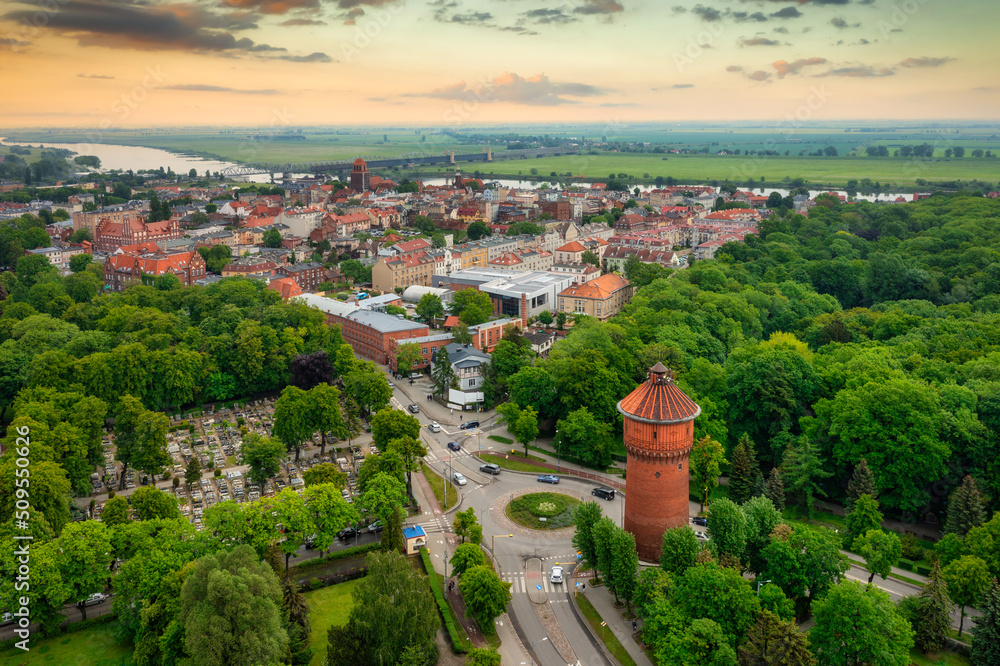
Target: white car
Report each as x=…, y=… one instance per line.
x=434, y=427
x=95, y=599
x=702, y=536
x=557, y=575
x=458, y=479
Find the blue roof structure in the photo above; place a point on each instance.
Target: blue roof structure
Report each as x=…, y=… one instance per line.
x=413, y=532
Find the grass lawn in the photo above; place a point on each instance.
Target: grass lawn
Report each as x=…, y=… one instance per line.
x=611, y=641
x=528, y=511
x=943, y=659
x=515, y=465
x=328, y=607
x=438, y=486
x=502, y=440
x=94, y=646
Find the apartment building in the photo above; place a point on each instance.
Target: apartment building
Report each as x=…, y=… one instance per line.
x=601, y=298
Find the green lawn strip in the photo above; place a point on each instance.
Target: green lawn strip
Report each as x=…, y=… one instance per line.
x=611, y=641
x=527, y=511
x=452, y=624
x=439, y=486
x=943, y=659
x=514, y=465
x=93, y=645
x=502, y=440
x=328, y=607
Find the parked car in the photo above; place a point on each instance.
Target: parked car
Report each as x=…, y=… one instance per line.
x=702, y=536
x=602, y=492
x=414, y=409
x=469, y=425
x=557, y=575
x=489, y=468
x=454, y=446
x=548, y=478
x=347, y=533
x=458, y=479
x=377, y=526
x=700, y=520
x=95, y=599
x=434, y=427
x=416, y=375
x=6, y=618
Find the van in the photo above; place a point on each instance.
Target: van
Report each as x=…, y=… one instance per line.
x=416, y=375
x=604, y=493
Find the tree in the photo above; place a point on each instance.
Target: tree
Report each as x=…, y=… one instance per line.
x=881, y=551
x=861, y=483
x=625, y=562
x=859, y=624
x=803, y=561
x=772, y=598
x=761, y=519
x=560, y=320
x=679, y=549
x=701, y=642
x=472, y=306
x=292, y=420
x=986, y=632
x=151, y=503
x=84, y=561
x=932, y=621
x=467, y=527
x=389, y=424
x=603, y=532
x=325, y=473
x=460, y=334
x=583, y=437
x=727, y=528
x=967, y=579
x=78, y=262
x=773, y=640
x=231, y=610
x=310, y=370
x=140, y=438
x=192, y=473
x=466, y=556
x=272, y=238
x=585, y=517
x=483, y=656
x=329, y=511
x=368, y=387
x=522, y=423
x=485, y=596
x=430, y=308
x=864, y=517
x=721, y=594
x=546, y=318
x=775, y=489
x=326, y=414
x=801, y=469
x=407, y=356
x=263, y=455
x=743, y=470
x=965, y=508
x=705, y=460
x=383, y=494
x=443, y=373
x=393, y=609
x=115, y=512
x=295, y=519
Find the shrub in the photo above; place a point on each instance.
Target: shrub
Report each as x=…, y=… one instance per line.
x=911, y=547
x=458, y=642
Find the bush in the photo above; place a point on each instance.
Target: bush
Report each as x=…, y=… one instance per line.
x=911, y=547
x=923, y=571
x=458, y=642
x=905, y=564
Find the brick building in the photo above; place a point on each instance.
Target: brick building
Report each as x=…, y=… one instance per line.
x=110, y=235
x=308, y=276
x=360, y=178
x=123, y=270
x=601, y=298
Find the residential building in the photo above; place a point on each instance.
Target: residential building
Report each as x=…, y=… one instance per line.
x=466, y=362
x=110, y=235
x=308, y=275
x=123, y=213
x=616, y=256
x=285, y=286
x=580, y=272
x=402, y=271
x=601, y=298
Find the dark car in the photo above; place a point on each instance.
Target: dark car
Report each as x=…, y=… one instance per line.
x=347, y=533
x=490, y=468
x=414, y=409
x=548, y=478
x=469, y=425
x=454, y=446
x=605, y=493
x=700, y=520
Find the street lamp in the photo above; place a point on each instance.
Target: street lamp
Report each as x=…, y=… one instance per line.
x=759, y=583
x=493, y=546
x=558, y=457
x=446, y=564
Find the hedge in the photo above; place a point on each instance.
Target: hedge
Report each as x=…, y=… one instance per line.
x=333, y=579
x=458, y=642
x=335, y=555
x=905, y=564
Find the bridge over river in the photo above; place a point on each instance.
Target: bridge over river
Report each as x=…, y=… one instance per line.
x=379, y=161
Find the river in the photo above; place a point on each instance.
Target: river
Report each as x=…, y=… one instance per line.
x=136, y=158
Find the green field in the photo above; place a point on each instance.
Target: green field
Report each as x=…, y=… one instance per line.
x=93, y=646
x=328, y=607
x=512, y=464
x=439, y=487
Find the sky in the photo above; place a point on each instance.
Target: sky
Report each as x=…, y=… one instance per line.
x=268, y=63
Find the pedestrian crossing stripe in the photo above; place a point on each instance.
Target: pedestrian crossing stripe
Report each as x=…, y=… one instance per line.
x=519, y=584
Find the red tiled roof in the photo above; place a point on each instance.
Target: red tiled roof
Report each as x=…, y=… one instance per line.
x=658, y=399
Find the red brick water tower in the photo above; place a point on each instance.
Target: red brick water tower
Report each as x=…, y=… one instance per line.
x=659, y=433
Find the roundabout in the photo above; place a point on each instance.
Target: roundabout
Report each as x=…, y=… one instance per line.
x=545, y=511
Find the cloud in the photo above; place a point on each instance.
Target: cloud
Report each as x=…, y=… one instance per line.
x=312, y=57
x=678, y=9
x=785, y=68
x=350, y=4
x=987, y=89
x=272, y=6
x=94, y=76
x=831, y=2
x=925, y=62
x=707, y=13
x=759, y=41
x=173, y=27
x=678, y=86
x=301, y=21
x=10, y=42
x=199, y=87
x=617, y=104
x=599, y=7
x=859, y=71
x=841, y=24
x=744, y=17
x=734, y=68
x=758, y=75
x=537, y=90
x=472, y=18
x=781, y=30
x=787, y=12
x=548, y=16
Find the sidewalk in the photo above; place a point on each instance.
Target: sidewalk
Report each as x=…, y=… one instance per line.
x=417, y=393
x=603, y=601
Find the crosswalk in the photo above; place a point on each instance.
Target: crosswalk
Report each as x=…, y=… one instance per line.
x=436, y=525
x=519, y=584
